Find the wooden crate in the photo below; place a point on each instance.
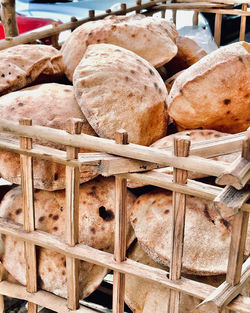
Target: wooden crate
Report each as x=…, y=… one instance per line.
x=126, y=162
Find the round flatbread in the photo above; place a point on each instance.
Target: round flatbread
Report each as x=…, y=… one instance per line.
x=214, y=93
x=48, y=105
x=151, y=38
x=189, y=52
x=196, y=135
x=144, y=296
x=21, y=65
x=96, y=229
x=206, y=238
x=116, y=88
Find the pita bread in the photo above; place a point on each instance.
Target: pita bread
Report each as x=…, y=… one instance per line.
x=151, y=38
x=214, y=93
x=96, y=229
x=116, y=89
x=197, y=135
x=48, y=105
x=144, y=296
x=21, y=65
x=206, y=238
x=189, y=52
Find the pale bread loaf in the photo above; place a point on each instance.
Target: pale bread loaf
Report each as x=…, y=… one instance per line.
x=21, y=65
x=214, y=93
x=48, y=105
x=116, y=89
x=151, y=38
x=206, y=237
x=96, y=229
x=196, y=135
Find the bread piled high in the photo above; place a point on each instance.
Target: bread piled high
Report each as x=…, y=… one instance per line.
x=151, y=38
x=214, y=93
x=48, y=105
x=96, y=229
x=24, y=64
x=116, y=88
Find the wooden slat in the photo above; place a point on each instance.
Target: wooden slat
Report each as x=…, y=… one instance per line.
x=29, y=218
x=243, y=23
x=191, y=6
x=121, y=137
x=134, y=151
x=239, y=234
x=105, y=259
x=231, y=200
x=225, y=293
x=181, y=148
x=237, y=175
x=227, y=11
x=73, y=126
x=193, y=188
x=217, y=28
x=8, y=18
x=51, y=31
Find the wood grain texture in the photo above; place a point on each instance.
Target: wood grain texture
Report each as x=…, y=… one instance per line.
x=181, y=148
x=224, y=294
x=73, y=126
x=29, y=218
x=217, y=28
x=243, y=23
x=8, y=18
x=121, y=137
x=191, y=163
x=231, y=200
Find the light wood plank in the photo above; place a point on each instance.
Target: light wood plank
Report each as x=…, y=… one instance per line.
x=239, y=233
x=121, y=137
x=225, y=293
x=217, y=28
x=243, y=23
x=29, y=218
x=73, y=126
x=181, y=148
x=134, y=151
x=231, y=200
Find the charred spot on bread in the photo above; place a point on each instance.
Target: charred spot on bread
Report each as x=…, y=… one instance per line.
x=3, y=75
x=225, y=223
x=166, y=211
x=106, y=215
x=56, y=176
x=20, y=104
x=55, y=228
x=227, y=101
x=92, y=229
x=55, y=217
x=206, y=213
x=41, y=219
x=18, y=211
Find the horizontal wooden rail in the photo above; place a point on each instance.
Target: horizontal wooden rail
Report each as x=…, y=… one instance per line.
x=191, y=163
x=208, y=149
x=191, y=6
x=193, y=188
x=226, y=11
x=35, y=35
x=86, y=253
x=42, y=298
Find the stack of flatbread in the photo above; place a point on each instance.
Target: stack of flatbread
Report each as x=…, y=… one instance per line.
x=112, y=65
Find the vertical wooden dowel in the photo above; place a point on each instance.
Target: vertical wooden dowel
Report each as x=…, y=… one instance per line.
x=121, y=137
x=55, y=38
x=181, y=149
x=163, y=12
x=195, y=18
x=138, y=2
x=29, y=214
x=1, y=278
x=123, y=8
x=91, y=14
x=73, y=127
x=217, y=28
x=108, y=11
x=243, y=23
x=8, y=18
x=239, y=233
